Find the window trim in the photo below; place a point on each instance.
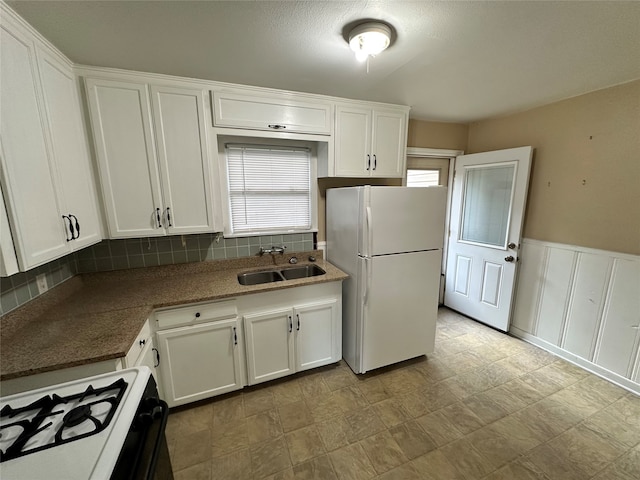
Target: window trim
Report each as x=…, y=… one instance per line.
x=268, y=143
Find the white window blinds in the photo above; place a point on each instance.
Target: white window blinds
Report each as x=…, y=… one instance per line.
x=422, y=178
x=269, y=188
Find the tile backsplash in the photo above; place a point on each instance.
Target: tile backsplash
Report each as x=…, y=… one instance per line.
x=151, y=252
x=18, y=289
x=141, y=252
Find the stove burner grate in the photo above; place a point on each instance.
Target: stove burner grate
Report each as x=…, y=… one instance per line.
x=31, y=418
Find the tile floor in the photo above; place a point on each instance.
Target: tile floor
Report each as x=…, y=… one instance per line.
x=484, y=406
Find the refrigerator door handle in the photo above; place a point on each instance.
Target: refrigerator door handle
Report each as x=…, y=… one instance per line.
x=367, y=281
x=369, y=231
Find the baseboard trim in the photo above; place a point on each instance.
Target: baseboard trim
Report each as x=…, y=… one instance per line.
x=578, y=361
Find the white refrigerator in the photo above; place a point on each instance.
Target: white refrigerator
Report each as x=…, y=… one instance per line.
x=389, y=240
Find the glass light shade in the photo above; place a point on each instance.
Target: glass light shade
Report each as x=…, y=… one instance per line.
x=369, y=39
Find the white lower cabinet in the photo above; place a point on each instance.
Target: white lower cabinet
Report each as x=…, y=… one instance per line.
x=147, y=358
x=200, y=361
x=201, y=347
x=316, y=331
x=270, y=345
x=285, y=341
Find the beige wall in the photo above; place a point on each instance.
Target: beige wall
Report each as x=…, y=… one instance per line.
x=585, y=185
x=452, y=136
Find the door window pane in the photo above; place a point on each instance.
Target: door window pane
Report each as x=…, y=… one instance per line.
x=487, y=204
x=423, y=178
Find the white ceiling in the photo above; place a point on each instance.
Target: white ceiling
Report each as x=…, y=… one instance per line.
x=450, y=61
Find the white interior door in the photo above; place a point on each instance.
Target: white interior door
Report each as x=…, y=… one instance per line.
x=487, y=211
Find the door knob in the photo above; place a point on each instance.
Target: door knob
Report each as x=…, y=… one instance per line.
x=509, y=258
x=511, y=246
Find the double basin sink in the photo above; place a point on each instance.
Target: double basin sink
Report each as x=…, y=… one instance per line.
x=279, y=274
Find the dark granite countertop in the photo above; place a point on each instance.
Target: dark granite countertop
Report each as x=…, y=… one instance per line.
x=96, y=317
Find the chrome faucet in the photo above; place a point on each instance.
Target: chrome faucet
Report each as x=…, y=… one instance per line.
x=272, y=251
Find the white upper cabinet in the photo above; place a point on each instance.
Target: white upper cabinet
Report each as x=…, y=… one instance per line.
x=353, y=141
x=8, y=260
x=127, y=162
x=70, y=151
x=271, y=111
x=388, y=143
x=37, y=91
x=179, y=117
x=369, y=141
x=153, y=183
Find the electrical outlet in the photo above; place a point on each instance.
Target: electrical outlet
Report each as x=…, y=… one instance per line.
x=41, y=280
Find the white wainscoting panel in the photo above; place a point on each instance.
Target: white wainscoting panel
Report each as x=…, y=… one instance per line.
x=620, y=332
x=583, y=305
x=554, y=297
x=586, y=303
x=532, y=262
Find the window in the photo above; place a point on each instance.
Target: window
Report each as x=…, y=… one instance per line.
x=423, y=178
x=270, y=189
x=427, y=171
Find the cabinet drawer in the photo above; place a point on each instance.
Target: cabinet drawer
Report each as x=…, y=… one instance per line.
x=203, y=312
x=138, y=345
x=271, y=113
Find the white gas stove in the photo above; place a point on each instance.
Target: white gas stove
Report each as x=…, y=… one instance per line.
x=77, y=430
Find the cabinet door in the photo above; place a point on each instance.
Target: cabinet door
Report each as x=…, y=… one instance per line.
x=353, y=142
x=8, y=260
x=184, y=159
x=317, y=338
x=121, y=123
x=70, y=149
x=147, y=358
x=272, y=112
x=200, y=361
x=270, y=350
x=389, y=139
x=25, y=154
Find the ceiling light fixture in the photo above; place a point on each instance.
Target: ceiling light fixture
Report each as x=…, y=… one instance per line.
x=369, y=39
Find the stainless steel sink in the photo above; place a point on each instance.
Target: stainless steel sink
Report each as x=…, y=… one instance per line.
x=303, y=271
x=256, y=278
x=269, y=276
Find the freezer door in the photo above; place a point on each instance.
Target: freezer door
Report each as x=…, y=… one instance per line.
x=400, y=307
x=401, y=219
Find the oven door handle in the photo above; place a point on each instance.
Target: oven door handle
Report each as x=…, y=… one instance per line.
x=164, y=416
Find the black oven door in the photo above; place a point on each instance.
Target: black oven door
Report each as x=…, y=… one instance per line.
x=145, y=455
